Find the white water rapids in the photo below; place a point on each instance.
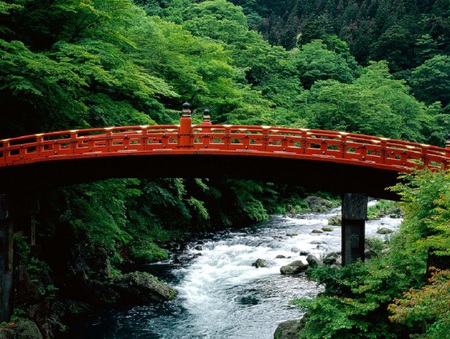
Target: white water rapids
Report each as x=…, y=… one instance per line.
x=221, y=296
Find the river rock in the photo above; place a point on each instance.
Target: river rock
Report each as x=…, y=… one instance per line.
x=317, y=204
x=280, y=256
x=139, y=288
x=384, y=230
x=262, y=263
x=7, y=333
x=331, y=258
x=294, y=267
x=313, y=261
x=288, y=329
x=316, y=231
x=335, y=220
x=23, y=329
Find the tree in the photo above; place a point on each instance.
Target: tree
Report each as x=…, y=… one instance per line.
x=321, y=60
x=217, y=19
x=426, y=308
x=396, y=46
x=373, y=104
x=391, y=291
x=430, y=82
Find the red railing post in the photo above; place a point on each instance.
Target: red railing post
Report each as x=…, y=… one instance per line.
x=425, y=159
x=39, y=141
x=206, y=124
x=383, y=150
x=304, y=140
x=343, y=144
x=185, y=138
x=74, y=140
x=5, y=150
x=108, y=138
x=265, y=138
x=206, y=128
x=144, y=137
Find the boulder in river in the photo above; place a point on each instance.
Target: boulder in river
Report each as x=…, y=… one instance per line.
x=262, y=263
x=335, y=220
x=288, y=329
x=139, y=288
x=331, y=258
x=318, y=204
x=22, y=328
x=294, y=267
x=313, y=261
x=384, y=230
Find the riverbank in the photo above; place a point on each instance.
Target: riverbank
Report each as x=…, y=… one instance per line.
x=55, y=311
x=220, y=294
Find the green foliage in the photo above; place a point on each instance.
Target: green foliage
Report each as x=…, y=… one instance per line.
x=374, y=104
x=320, y=60
x=146, y=252
x=395, y=46
x=426, y=203
x=431, y=80
x=382, y=208
x=356, y=297
x=99, y=210
x=391, y=291
x=73, y=64
x=426, y=307
x=246, y=201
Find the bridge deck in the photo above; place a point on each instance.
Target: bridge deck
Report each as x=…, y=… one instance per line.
x=280, y=149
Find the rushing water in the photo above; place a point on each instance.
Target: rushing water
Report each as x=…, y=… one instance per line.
x=220, y=295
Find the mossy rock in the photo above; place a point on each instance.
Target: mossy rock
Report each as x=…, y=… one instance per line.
x=289, y=329
x=384, y=230
x=140, y=288
x=22, y=329
x=335, y=220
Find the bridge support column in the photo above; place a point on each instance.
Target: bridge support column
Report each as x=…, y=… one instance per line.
x=6, y=260
x=354, y=215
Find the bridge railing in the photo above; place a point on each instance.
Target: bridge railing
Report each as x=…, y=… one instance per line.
x=333, y=145
x=225, y=139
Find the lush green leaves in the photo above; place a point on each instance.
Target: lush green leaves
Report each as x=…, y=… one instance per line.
x=431, y=80
x=426, y=307
x=360, y=295
x=373, y=104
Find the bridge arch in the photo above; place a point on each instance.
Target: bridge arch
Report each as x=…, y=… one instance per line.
x=319, y=160
x=351, y=164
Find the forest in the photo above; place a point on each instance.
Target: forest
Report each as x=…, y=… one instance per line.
x=377, y=67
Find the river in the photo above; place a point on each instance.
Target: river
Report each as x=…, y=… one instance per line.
x=220, y=295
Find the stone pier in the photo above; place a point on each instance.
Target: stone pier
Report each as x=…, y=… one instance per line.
x=354, y=215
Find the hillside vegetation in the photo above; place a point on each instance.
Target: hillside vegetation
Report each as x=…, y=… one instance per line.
x=378, y=67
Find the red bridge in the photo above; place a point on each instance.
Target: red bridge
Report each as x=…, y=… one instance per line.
x=352, y=164
x=319, y=160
